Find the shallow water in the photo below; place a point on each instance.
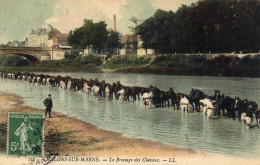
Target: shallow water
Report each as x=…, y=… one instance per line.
x=222, y=136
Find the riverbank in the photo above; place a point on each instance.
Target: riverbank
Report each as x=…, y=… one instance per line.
x=79, y=138
x=86, y=139
x=183, y=65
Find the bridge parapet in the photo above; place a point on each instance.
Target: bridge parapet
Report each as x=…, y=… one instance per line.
x=36, y=54
x=27, y=48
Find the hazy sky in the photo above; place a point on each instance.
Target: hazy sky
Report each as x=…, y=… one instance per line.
x=18, y=17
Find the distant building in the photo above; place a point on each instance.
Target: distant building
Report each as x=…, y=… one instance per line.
x=40, y=37
x=15, y=43
x=26, y=42
x=141, y=50
x=61, y=41
x=130, y=44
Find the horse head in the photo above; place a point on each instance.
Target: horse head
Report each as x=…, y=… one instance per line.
x=192, y=92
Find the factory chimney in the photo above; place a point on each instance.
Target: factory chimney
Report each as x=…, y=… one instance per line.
x=114, y=22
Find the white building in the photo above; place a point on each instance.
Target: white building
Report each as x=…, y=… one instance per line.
x=41, y=37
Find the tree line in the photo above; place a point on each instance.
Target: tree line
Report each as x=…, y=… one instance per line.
x=206, y=26
x=94, y=35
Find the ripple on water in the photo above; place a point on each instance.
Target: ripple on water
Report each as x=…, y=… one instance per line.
x=223, y=136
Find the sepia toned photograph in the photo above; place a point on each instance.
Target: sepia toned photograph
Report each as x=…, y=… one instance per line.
x=158, y=82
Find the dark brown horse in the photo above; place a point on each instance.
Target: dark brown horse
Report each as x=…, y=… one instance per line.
x=172, y=96
x=194, y=97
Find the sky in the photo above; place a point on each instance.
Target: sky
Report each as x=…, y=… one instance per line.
x=18, y=17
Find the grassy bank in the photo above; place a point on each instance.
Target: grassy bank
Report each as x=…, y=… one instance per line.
x=130, y=61
x=188, y=65
x=53, y=68
x=194, y=65
x=88, y=63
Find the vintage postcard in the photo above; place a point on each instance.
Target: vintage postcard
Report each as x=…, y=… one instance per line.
x=159, y=82
x=25, y=134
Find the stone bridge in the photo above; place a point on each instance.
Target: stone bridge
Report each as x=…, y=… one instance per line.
x=35, y=54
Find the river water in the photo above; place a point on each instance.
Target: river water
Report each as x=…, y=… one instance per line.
x=220, y=136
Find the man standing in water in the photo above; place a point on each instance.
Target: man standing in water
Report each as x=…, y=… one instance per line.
x=184, y=104
x=249, y=116
x=48, y=103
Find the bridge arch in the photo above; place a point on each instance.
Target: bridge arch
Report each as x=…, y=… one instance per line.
x=29, y=57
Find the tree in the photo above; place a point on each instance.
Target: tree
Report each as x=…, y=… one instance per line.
x=180, y=39
x=113, y=41
x=155, y=31
x=90, y=34
x=225, y=26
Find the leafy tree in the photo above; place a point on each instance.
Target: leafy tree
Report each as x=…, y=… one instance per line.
x=113, y=41
x=225, y=26
x=206, y=26
x=155, y=30
x=90, y=34
x=180, y=39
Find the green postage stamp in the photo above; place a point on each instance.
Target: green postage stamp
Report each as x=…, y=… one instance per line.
x=25, y=134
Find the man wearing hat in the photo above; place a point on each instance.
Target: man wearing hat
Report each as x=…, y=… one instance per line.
x=48, y=103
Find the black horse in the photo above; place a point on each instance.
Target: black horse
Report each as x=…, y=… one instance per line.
x=194, y=98
x=240, y=106
x=172, y=96
x=217, y=95
x=226, y=103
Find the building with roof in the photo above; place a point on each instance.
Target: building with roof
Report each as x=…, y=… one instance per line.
x=15, y=43
x=40, y=37
x=61, y=41
x=130, y=44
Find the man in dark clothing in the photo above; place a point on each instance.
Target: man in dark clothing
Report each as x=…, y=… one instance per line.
x=48, y=103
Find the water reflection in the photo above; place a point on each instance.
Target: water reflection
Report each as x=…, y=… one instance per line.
x=223, y=136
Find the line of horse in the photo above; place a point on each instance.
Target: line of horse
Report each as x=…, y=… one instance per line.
x=159, y=98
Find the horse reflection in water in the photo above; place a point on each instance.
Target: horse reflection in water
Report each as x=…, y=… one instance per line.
x=152, y=96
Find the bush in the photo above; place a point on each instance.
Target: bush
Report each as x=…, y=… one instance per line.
x=127, y=60
x=179, y=61
x=89, y=60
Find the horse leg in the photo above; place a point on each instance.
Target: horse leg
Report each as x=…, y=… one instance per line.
x=223, y=109
x=239, y=116
x=193, y=108
x=134, y=97
x=197, y=107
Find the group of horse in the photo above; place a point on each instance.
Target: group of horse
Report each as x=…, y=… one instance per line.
x=158, y=98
